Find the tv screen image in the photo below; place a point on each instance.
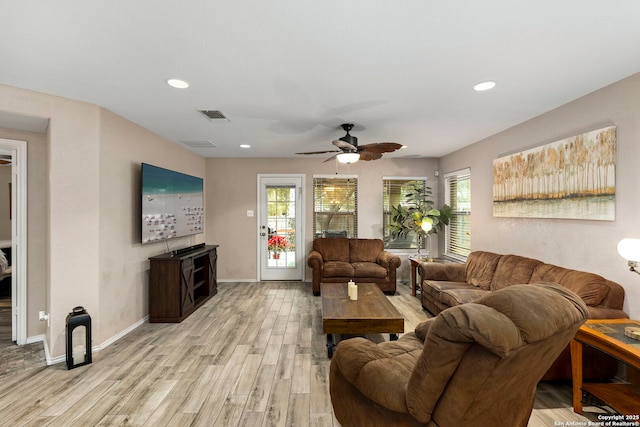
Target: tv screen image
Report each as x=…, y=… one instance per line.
x=172, y=204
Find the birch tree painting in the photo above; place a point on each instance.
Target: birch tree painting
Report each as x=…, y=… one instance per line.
x=572, y=178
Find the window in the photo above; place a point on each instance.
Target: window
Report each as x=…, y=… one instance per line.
x=395, y=191
x=458, y=196
x=335, y=206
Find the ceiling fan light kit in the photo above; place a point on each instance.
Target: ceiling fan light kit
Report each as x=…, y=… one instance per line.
x=348, y=157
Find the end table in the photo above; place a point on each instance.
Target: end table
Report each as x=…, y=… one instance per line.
x=607, y=335
x=415, y=263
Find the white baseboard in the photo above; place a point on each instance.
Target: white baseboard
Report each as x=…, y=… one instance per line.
x=116, y=337
x=43, y=338
x=94, y=349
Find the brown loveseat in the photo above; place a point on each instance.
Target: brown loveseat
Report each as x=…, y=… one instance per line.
x=474, y=364
x=447, y=285
x=337, y=260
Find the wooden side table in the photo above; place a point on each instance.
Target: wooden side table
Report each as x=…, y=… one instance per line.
x=415, y=263
x=607, y=335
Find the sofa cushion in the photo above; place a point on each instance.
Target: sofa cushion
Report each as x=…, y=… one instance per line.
x=338, y=269
x=369, y=269
x=480, y=268
x=588, y=286
x=365, y=250
x=332, y=249
x=513, y=270
x=453, y=297
x=435, y=287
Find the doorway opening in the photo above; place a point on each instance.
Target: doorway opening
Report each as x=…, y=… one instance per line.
x=13, y=292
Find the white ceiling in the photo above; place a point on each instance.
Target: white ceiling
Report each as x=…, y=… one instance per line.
x=287, y=73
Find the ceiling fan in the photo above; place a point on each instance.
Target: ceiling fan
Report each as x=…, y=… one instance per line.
x=349, y=151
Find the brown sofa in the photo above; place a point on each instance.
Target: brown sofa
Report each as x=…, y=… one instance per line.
x=447, y=285
x=474, y=364
x=337, y=260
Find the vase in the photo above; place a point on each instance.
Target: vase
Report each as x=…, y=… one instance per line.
x=422, y=253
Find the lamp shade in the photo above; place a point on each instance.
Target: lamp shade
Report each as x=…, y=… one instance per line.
x=426, y=225
x=348, y=157
x=629, y=249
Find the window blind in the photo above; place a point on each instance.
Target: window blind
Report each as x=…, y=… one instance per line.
x=395, y=191
x=335, y=202
x=458, y=196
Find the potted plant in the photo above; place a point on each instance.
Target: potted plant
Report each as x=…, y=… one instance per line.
x=277, y=244
x=418, y=215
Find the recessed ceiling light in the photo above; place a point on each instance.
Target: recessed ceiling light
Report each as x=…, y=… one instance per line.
x=404, y=146
x=245, y=146
x=178, y=84
x=480, y=87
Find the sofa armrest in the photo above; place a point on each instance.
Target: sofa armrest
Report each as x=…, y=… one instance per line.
x=615, y=296
x=601, y=312
x=450, y=272
x=388, y=260
x=314, y=260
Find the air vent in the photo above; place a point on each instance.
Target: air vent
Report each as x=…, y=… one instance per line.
x=214, y=114
x=199, y=144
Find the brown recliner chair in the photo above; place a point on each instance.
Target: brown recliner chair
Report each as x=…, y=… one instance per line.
x=474, y=364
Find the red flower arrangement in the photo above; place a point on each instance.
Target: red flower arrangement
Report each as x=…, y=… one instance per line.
x=277, y=243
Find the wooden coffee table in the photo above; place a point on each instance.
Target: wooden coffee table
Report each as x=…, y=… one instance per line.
x=371, y=313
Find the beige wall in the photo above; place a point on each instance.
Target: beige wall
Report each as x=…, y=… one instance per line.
x=5, y=222
x=85, y=211
x=123, y=261
x=232, y=190
x=585, y=245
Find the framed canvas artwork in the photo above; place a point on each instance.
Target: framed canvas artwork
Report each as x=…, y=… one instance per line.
x=573, y=178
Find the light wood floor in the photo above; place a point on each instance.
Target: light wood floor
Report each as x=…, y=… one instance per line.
x=254, y=355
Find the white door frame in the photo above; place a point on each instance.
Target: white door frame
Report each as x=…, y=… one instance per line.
x=18, y=238
x=300, y=222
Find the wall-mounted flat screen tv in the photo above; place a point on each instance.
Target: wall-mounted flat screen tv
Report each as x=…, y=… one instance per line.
x=172, y=204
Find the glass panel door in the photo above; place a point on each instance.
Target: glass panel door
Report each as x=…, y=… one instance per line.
x=281, y=252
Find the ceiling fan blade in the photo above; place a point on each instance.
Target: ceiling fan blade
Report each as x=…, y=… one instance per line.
x=331, y=158
x=381, y=147
x=5, y=162
x=369, y=155
x=342, y=144
x=321, y=152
